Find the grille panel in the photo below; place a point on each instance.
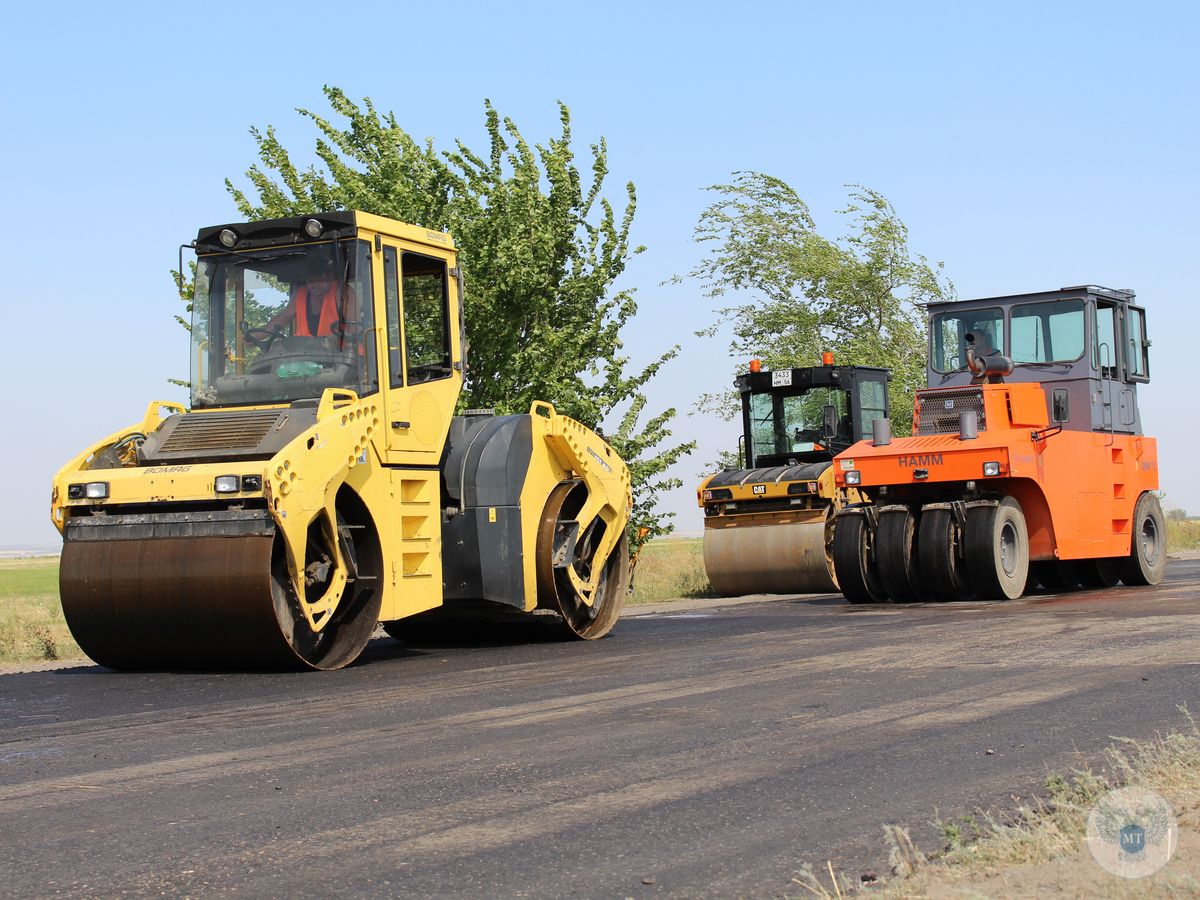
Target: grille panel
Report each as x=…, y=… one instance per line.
x=937, y=411
x=220, y=431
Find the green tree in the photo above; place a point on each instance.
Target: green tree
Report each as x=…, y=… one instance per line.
x=858, y=295
x=540, y=252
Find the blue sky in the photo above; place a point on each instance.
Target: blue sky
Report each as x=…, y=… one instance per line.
x=1027, y=145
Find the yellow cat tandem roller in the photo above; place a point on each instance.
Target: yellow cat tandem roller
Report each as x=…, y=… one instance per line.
x=768, y=527
x=320, y=482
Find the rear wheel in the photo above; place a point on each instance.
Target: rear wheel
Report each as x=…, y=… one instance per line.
x=941, y=567
x=997, y=545
x=1147, y=560
x=556, y=590
x=1098, y=573
x=896, y=553
x=852, y=560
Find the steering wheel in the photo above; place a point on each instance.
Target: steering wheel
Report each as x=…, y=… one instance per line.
x=266, y=337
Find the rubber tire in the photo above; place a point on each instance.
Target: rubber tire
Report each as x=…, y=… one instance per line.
x=852, y=563
x=1032, y=581
x=987, y=527
x=1147, y=560
x=1056, y=576
x=897, y=557
x=1098, y=573
x=941, y=571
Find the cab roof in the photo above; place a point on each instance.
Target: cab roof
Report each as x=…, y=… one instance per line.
x=1122, y=295
x=340, y=224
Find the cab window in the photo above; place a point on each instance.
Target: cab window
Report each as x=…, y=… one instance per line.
x=391, y=296
x=1104, y=350
x=790, y=426
x=1047, y=332
x=285, y=324
x=1139, y=365
x=872, y=404
x=423, y=288
x=948, y=334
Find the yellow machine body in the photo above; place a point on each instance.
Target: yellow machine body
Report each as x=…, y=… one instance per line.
x=293, y=527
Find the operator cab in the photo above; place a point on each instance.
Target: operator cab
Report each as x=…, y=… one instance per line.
x=286, y=308
x=279, y=316
x=803, y=415
x=1088, y=344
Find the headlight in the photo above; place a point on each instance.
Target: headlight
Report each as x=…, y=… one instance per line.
x=227, y=484
x=251, y=482
x=854, y=477
x=96, y=490
x=228, y=237
x=313, y=228
x=991, y=469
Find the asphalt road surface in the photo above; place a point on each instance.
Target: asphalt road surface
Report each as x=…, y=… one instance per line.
x=708, y=751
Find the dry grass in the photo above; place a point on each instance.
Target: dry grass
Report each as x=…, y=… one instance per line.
x=1040, y=848
x=1183, y=534
x=31, y=620
x=670, y=568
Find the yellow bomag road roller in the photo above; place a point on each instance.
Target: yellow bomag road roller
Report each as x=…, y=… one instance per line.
x=321, y=483
x=768, y=527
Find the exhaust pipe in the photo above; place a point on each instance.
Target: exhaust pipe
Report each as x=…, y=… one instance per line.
x=968, y=425
x=881, y=432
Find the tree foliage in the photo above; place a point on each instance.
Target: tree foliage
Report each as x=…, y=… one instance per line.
x=858, y=295
x=540, y=250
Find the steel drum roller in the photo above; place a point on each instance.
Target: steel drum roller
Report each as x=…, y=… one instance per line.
x=769, y=558
x=198, y=601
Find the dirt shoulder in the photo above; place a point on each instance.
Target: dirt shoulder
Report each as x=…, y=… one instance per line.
x=1043, y=848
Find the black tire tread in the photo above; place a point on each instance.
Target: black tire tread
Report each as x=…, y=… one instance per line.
x=1098, y=573
x=1057, y=576
x=1136, y=569
x=851, y=561
x=942, y=576
x=980, y=549
x=896, y=555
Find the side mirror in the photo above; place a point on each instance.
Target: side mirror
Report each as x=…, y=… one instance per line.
x=1061, y=406
x=830, y=422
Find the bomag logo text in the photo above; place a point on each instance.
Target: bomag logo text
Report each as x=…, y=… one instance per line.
x=921, y=459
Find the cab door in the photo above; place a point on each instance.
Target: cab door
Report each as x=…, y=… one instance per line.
x=423, y=361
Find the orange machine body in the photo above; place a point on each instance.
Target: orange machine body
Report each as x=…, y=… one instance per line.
x=1077, y=488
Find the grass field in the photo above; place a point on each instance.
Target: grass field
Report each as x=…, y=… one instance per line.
x=1183, y=534
x=31, y=620
x=670, y=568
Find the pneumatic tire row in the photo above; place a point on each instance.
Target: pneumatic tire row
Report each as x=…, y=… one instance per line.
x=974, y=550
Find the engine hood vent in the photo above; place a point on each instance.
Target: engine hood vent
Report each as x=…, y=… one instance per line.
x=232, y=435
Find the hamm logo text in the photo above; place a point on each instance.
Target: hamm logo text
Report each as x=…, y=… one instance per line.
x=922, y=459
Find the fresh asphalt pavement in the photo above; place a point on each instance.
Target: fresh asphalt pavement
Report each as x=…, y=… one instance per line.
x=707, y=749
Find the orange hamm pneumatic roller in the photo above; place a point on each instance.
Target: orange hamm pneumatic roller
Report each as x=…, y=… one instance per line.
x=1026, y=463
